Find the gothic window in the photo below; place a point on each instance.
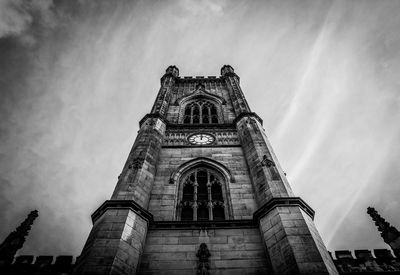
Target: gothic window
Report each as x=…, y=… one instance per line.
x=200, y=112
x=202, y=196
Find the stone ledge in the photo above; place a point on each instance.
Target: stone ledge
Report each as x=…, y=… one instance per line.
x=285, y=201
x=244, y=114
x=223, y=126
x=203, y=224
x=201, y=146
x=122, y=204
x=156, y=115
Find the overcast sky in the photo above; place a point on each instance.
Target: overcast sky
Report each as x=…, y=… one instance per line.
x=77, y=76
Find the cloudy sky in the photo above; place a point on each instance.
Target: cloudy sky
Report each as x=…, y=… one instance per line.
x=77, y=76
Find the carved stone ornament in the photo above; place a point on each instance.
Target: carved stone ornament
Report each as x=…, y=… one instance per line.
x=203, y=254
x=136, y=164
x=267, y=162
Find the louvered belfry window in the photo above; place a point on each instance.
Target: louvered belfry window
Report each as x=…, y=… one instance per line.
x=202, y=197
x=200, y=112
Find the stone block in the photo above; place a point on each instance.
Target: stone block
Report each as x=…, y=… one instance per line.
x=24, y=259
x=44, y=260
x=188, y=240
x=294, y=247
x=363, y=254
x=117, y=251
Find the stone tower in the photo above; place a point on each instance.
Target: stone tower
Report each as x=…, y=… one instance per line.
x=202, y=192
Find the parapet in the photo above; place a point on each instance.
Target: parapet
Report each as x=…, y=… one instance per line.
x=364, y=261
x=28, y=264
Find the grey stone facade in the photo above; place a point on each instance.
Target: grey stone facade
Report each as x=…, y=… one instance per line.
x=201, y=171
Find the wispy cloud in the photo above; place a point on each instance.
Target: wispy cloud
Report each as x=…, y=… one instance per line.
x=77, y=76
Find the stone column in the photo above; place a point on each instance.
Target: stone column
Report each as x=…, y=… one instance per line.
x=164, y=94
x=232, y=81
x=286, y=222
x=116, y=241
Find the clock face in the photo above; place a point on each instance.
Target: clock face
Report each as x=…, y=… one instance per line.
x=201, y=139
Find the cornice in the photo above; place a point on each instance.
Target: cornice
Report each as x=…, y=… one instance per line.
x=202, y=224
x=283, y=201
x=152, y=115
x=225, y=126
x=122, y=204
x=245, y=114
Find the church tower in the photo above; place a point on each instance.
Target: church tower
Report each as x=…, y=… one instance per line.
x=202, y=192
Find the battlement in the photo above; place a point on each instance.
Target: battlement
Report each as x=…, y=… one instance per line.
x=199, y=77
x=382, y=261
x=378, y=261
x=28, y=264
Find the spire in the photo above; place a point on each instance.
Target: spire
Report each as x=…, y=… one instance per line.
x=16, y=239
x=389, y=233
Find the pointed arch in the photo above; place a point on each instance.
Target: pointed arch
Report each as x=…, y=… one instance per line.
x=202, y=161
x=221, y=200
x=201, y=94
x=201, y=107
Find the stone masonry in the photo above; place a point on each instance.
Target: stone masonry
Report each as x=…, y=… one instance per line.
x=202, y=192
x=202, y=173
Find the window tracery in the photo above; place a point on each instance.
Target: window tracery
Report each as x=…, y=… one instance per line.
x=202, y=196
x=200, y=112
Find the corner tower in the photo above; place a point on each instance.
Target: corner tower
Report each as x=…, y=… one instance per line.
x=202, y=191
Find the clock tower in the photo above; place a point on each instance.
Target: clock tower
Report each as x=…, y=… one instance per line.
x=202, y=192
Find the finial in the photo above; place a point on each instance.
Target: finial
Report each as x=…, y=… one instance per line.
x=227, y=69
x=16, y=239
x=389, y=233
x=173, y=70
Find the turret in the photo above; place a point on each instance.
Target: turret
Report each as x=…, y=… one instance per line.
x=227, y=70
x=172, y=70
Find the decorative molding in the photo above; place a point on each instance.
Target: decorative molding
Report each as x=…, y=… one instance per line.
x=122, y=204
x=247, y=114
x=156, y=115
x=178, y=225
x=267, y=162
x=203, y=254
x=180, y=138
x=200, y=146
x=284, y=201
x=206, y=162
x=200, y=92
x=176, y=126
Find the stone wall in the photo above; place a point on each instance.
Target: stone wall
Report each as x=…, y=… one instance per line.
x=163, y=197
x=233, y=251
x=186, y=86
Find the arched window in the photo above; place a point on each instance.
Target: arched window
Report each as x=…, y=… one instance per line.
x=200, y=112
x=202, y=196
